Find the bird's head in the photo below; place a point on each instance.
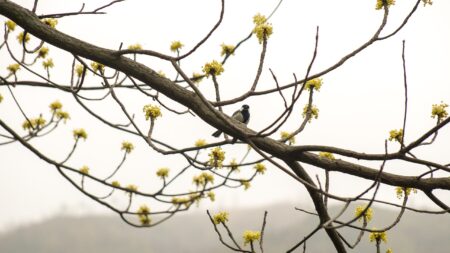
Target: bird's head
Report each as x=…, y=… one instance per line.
x=245, y=107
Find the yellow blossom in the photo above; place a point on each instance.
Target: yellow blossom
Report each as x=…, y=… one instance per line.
x=227, y=49
x=367, y=215
x=396, y=135
x=161, y=73
x=115, y=184
x=221, y=217
x=213, y=68
x=62, y=115
x=197, y=78
x=11, y=25
x=203, y=179
x=234, y=165
x=200, y=143
x=260, y=168
x=327, y=155
x=84, y=170
x=315, y=84
x=439, y=111
x=162, y=172
x=179, y=201
x=152, y=111
x=34, y=123
x=259, y=19
x=250, y=236
x=389, y=251
x=143, y=209
x=79, y=133
x=211, y=196
x=425, y=2
x=13, y=68
x=400, y=190
x=52, y=22
x=378, y=237
x=127, y=146
x=132, y=187
x=21, y=39
x=56, y=105
x=285, y=135
x=145, y=219
x=43, y=52
x=136, y=46
x=314, y=112
x=48, y=63
x=175, y=46
x=245, y=183
x=1, y=98
x=97, y=67
x=79, y=70
x=216, y=157
x=380, y=4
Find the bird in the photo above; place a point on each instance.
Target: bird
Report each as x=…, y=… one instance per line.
x=242, y=115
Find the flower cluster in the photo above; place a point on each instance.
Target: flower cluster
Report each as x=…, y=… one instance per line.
x=286, y=136
x=327, y=155
x=152, y=112
x=213, y=68
x=48, y=64
x=52, y=22
x=62, y=115
x=260, y=168
x=245, y=183
x=176, y=45
x=23, y=39
x=1, y=98
x=79, y=70
x=13, y=68
x=84, y=170
x=234, y=166
x=162, y=172
x=115, y=183
x=34, y=123
x=212, y=196
x=132, y=187
x=43, y=52
x=380, y=3
x=97, y=67
x=161, y=74
x=79, y=133
x=11, y=25
x=143, y=214
x=56, y=105
x=314, y=112
x=438, y=111
x=250, y=236
x=400, y=190
x=136, y=46
x=367, y=215
x=203, y=179
x=127, y=146
x=197, y=78
x=262, y=29
x=227, y=49
x=425, y=2
x=200, y=143
x=221, y=217
x=216, y=157
x=378, y=237
x=396, y=135
x=315, y=84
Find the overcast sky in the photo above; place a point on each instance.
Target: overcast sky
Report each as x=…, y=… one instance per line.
x=359, y=103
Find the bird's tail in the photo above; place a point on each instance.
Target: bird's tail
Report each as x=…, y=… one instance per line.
x=217, y=133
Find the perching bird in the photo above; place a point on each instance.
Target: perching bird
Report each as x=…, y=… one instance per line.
x=242, y=115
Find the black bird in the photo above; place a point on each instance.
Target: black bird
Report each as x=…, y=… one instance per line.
x=242, y=115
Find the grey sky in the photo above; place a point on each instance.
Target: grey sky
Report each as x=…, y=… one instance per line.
x=359, y=103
